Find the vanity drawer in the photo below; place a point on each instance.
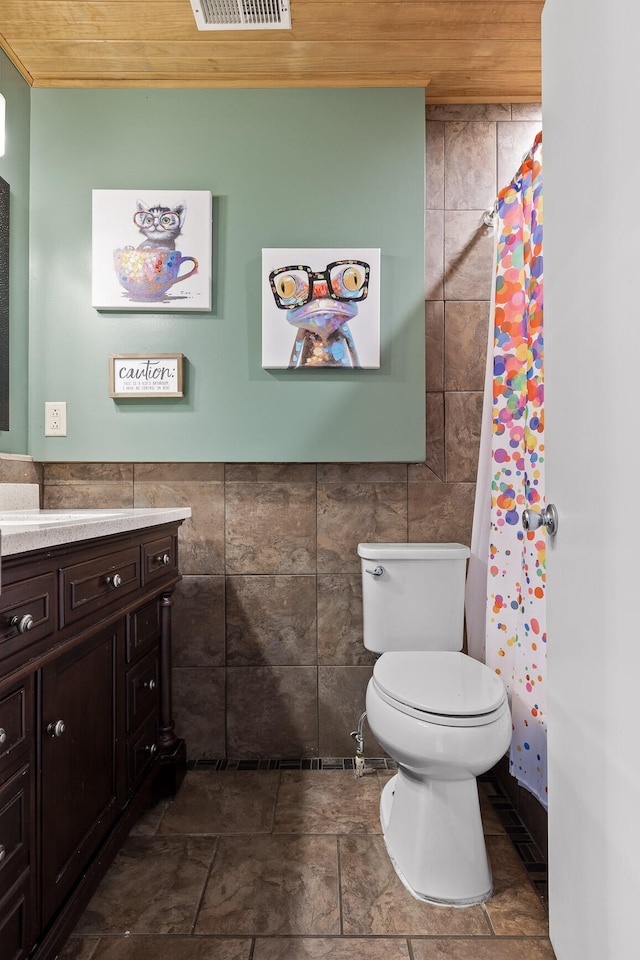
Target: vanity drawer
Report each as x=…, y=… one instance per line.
x=98, y=584
x=159, y=558
x=27, y=613
x=141, y=751
x=15, y=797
x=142, y=690
x=15, y=724
x=143, y=629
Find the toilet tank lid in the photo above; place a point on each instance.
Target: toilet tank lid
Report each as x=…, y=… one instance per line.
x=413, y=551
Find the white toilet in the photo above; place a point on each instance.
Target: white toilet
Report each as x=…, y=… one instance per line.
x=441, y=715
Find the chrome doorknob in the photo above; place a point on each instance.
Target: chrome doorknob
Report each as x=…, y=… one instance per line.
x=532, y=519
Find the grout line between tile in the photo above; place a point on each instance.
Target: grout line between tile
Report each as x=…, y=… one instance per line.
x=488, y=919
x=205, y=884
x=95, y=947
x=275, y=803
x=339, y=862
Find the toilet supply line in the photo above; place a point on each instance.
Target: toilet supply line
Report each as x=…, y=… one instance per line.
x=358, y=736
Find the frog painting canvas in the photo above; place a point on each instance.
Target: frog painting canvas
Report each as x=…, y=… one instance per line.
x=321, y=308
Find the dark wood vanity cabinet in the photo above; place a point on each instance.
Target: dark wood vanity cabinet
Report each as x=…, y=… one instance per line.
x=82, y=781
x=86, y=730
x=17, y=821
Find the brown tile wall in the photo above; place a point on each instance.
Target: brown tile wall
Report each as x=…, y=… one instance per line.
x=268, y=649
x=19, y=471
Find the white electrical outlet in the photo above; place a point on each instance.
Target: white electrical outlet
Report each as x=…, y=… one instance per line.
x=55, y=418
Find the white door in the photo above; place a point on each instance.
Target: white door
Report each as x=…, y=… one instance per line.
x=591, y=89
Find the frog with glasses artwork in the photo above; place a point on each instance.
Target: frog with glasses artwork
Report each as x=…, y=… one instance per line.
x=320, y=301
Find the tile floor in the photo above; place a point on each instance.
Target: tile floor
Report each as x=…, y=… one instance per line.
x=290, y=864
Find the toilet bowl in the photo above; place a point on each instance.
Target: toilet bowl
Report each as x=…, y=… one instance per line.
x=445, y=719
x=443, y=716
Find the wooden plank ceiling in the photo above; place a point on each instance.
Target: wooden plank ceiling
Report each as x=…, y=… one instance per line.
x=459, y=50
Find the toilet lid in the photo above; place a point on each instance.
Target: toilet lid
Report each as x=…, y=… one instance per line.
x=445, y=683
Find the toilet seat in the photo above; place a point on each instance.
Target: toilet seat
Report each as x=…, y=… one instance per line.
x=440, y=687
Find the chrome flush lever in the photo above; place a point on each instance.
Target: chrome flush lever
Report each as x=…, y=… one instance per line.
x=531, y=519
x=376, y=572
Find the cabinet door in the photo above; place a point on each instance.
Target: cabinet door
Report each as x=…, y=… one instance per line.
x=15, y=923
x=82, y=758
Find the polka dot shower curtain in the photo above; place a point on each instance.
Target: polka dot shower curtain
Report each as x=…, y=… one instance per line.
x=506, y=585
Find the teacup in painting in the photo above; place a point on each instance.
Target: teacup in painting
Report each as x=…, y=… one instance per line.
x=148, y=274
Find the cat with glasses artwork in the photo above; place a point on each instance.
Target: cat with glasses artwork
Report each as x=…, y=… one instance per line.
x=159, y=225
x=152, y=249
x=147, y=272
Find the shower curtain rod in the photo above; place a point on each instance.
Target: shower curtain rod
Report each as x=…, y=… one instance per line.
x=489, y=216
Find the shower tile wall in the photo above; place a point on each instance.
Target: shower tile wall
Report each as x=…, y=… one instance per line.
x=268, y=633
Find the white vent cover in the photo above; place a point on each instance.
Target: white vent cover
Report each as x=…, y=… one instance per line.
x=242, y=14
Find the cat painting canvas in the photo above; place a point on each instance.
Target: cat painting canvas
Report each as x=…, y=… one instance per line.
x=151, y=250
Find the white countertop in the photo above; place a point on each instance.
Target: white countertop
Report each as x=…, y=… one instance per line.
x=25, y=530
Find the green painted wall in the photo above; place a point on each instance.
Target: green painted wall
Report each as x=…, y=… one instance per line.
x=312, y=168
x=14, y=168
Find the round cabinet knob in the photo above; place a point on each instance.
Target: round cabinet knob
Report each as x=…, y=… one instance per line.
x=164, y=559
x=151, y=749
x=3, y=852
x=149, y=684
x=115, y=580
x=3, y=735
x=22, y=624
x=56, y=728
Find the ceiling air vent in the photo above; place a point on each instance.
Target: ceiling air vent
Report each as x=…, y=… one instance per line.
x=242, y=14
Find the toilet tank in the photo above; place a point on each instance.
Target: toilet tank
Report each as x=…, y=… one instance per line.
x=414, y=597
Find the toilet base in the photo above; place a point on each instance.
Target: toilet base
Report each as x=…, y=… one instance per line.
x=433, y=833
